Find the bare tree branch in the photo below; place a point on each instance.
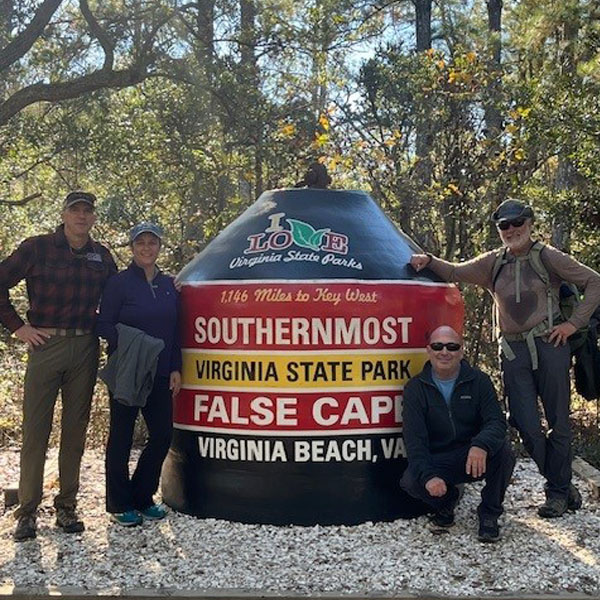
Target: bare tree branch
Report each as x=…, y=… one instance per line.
x=25, y=40
x=104, y=77
x=55, y=92
x=41, y=161
x=22, y=201
x=99, y=33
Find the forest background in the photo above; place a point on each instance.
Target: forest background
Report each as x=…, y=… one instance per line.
x=183, y=112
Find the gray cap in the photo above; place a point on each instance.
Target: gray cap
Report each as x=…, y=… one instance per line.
x=145, y=227
x=512, y=209
x=79, y=196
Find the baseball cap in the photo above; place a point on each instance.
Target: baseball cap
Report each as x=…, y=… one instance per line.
x=145, y=227
x=79, y=196
x=512, y=209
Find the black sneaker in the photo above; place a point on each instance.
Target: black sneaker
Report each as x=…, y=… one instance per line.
x=489, y=530
x=553, y=508
x=443, y=517
x=26, y=528
x=574, y=500
x=67, y=520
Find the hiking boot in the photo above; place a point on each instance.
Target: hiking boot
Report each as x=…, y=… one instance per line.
x=154, y=512
x=26, y=528
x=68, y=521
x=443, y=517
x=129, y=518
x=489, y=530
x=574, y=500
x=553, y=508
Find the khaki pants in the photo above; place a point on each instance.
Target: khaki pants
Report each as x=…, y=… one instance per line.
x=69, y=364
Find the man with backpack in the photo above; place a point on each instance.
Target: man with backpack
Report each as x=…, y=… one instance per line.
x=524, y=277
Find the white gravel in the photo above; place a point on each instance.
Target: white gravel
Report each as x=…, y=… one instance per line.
x=403, y=557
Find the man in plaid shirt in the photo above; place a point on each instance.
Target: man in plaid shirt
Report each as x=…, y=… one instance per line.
x=65, y=272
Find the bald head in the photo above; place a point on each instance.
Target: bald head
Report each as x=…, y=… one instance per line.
x=445, y=352
x=445, y=331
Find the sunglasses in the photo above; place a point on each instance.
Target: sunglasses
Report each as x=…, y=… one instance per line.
x=504, y=225
x=450, y=346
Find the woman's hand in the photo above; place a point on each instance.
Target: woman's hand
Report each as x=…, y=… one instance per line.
x=420, y=261
x=175, y=383
x=560, y=333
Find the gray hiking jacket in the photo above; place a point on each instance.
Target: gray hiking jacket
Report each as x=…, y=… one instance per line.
x=130, y=370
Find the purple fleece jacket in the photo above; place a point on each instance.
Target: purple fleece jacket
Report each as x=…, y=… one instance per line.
x=152, y=307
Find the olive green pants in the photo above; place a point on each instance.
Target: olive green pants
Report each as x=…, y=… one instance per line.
x=68, y=364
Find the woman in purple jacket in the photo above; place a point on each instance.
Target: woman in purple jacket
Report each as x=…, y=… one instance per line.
x=143, y=297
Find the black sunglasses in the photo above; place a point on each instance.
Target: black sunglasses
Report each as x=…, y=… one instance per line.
x=450, y=346
x=504, y=225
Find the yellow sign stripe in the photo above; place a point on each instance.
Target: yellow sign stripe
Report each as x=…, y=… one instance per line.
x=231, y=370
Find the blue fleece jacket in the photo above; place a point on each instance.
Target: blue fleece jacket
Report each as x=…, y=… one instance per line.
x=130, y=299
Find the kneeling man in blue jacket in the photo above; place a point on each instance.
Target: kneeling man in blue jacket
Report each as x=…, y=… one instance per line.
x=455, y=432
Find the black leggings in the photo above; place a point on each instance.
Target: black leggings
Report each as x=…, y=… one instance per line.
x=122, y=492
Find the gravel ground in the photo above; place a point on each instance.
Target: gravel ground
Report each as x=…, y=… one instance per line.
x=406, y=556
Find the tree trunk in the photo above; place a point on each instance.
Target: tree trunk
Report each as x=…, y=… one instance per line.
x=205, y=23
x=561, y=222
x=322, y=38
x=423, y=24
x=566, y=172
x=423, y=167
x=493, y=118
x=248, y=40
x=496, y=191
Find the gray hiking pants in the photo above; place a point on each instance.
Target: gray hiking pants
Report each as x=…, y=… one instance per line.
x=551, y=451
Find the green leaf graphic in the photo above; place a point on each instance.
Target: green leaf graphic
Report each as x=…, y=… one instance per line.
x=317, y=237
x=304, y=234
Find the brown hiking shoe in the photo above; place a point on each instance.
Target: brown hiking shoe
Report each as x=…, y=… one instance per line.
x=553, y=508
x=26, y=528
x=574, y=500
x=68, y=521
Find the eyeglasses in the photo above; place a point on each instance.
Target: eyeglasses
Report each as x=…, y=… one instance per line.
x=450, y=346
x=504, y=225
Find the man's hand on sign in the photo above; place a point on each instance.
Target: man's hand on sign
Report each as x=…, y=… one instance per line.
x=31, y=336
x=476, y=460
x=436, y=487
x=560, y=333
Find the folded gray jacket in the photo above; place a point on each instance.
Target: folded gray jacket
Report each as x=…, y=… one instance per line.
x=130, y=370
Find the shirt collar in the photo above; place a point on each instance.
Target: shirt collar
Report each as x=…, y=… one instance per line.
x=139, y=272
x=466, y=372
x=60, y=239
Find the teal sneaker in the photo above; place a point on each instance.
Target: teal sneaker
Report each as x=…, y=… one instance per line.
x=154, y=512
x=129, y=518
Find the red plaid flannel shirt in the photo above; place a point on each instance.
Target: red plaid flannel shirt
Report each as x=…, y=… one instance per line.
x=63, y=285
